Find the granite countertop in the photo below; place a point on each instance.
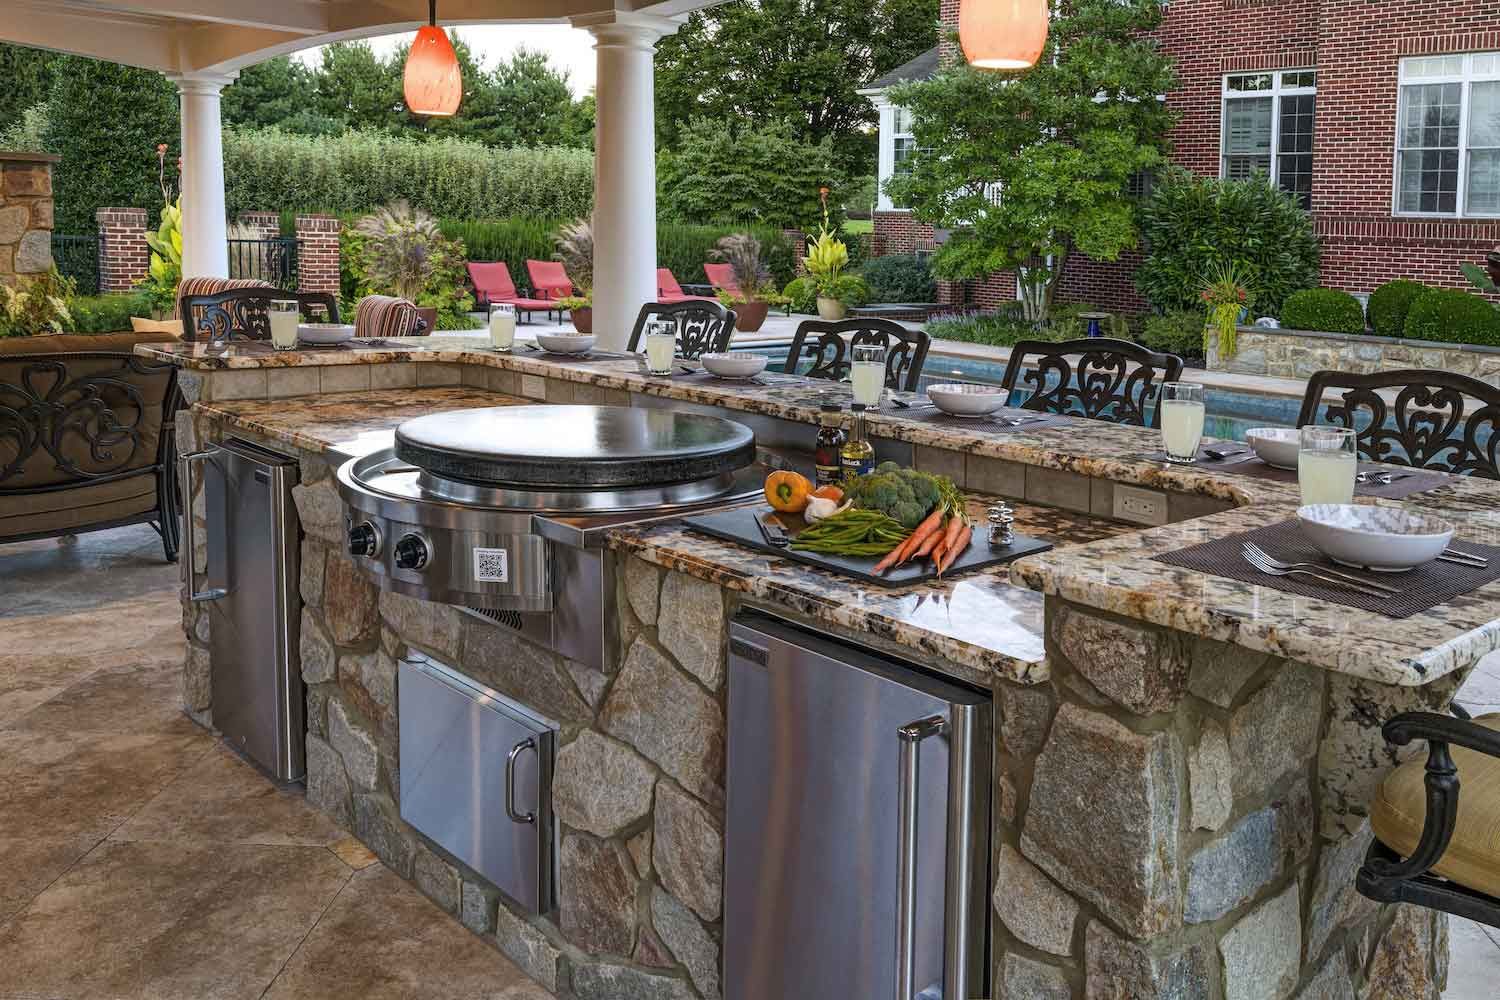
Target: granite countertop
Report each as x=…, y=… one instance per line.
x=1113, y=574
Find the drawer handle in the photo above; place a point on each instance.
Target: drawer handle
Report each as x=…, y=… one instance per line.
x=510, y=782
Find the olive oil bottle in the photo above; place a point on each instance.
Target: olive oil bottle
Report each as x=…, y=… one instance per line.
x=857, y=457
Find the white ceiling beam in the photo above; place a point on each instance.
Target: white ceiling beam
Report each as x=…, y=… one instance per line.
x=117, y=39
x=305, y=17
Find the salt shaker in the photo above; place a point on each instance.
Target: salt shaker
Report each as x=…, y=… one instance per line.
x=1002, y=520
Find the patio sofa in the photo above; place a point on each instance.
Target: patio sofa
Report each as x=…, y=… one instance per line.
x=86, y=437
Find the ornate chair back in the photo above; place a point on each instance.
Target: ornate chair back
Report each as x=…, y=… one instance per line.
x=245, y=313
x=824, y=342
x=702, y=327
x=1098, y=378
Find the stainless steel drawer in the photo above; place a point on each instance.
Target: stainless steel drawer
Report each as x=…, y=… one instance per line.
x=476, y=777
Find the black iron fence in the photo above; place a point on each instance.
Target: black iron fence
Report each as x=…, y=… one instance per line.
x=273, y=261
x=77, y=257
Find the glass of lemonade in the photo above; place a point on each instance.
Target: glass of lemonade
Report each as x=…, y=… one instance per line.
x=1326, y=463
x=661, y=344
x=502, y=326
x=867, y=373
x=286, y=314
x=1181, y=420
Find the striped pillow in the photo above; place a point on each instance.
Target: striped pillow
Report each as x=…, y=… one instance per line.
x=380, y=316
x=212, y=286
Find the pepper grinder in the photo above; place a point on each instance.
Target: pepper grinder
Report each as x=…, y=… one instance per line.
x=1002, y=521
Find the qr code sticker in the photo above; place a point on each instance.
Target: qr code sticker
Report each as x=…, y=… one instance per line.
x=492, y=565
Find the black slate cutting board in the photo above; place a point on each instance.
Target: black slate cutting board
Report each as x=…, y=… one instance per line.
x=739, y=526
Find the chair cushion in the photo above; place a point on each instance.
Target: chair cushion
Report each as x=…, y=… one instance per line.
x=1399, y=810
x=77, y=343
x=381, y=316
x=78, y=507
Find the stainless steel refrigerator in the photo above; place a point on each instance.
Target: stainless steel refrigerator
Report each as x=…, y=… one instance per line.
x=858, y=823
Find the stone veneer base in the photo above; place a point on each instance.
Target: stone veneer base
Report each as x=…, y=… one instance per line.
x=1300, y=353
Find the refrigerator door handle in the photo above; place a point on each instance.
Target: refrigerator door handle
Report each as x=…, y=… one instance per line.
x=190, y=532
x=510, y=782
x=911, y=735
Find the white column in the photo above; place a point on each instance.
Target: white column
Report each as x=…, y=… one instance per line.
x=205, y=248
x=624, y=169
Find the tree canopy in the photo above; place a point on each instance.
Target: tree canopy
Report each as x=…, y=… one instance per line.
x=1028, y=167
x=757, y=63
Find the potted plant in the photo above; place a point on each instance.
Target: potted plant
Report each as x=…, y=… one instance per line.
x=402, y=253
x=158, y=290
x=1227, y=295
x=756, y=296
x=575, y=248
x=827, y=256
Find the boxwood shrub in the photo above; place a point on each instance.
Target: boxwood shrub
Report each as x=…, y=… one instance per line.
x=1453, y=317
x=900, y=278
x=1177, y=332
x=1326, y=310
x=1390, y=303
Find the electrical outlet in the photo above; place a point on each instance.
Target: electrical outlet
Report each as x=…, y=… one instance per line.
x=1140, y=506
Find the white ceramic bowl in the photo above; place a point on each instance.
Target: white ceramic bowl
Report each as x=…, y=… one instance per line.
x=325, y=333
x=964, y=400
x=565, y=343
x=1276, y=446
x=728, y=365
x=1386, y=539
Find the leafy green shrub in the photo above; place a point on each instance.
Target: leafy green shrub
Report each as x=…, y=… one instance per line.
x=1453, y=317
x=357, y=171
x=1003, y=327
x=1178, y=332
x=802, y=295
x=105, y=313
x=1189, y=224
x=1326, y=310
x=1390, y=303
x=900, y=278
x=399, y=250
x=685, y=248
x=36, y=308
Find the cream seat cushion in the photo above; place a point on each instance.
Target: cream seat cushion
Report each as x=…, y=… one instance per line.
x=1473, y=855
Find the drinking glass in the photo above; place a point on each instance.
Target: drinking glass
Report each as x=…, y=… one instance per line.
x=867, y=372
x=502, y=326
x=661, y=344
x=1181, y=420
x=285, y=315
x=1326, y=464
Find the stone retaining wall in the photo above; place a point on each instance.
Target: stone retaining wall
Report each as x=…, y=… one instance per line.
x=1300, y=353
x=25, y=215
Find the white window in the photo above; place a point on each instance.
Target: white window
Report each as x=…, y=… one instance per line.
x=1268, y=128
x=1448, y=136
x=903, y=143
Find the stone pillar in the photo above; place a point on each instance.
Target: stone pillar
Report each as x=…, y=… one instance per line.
x=205, y=251
x=624, y=169
x=318, y=254
x=123, y=253
x=25, y=215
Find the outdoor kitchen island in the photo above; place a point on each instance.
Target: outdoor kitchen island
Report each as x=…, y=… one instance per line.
x=1181, y=762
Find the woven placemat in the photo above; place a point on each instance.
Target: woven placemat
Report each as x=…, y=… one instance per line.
x=707, y=378
x=1411, y=480
x=991, y=422
x=1421, y=588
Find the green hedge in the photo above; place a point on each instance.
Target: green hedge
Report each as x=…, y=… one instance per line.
x=1390, y=303
x=449, y=178
x=900, y=278
x=104, y=313
x=1325, y=310
x=1178, y=332
x=1453, y=317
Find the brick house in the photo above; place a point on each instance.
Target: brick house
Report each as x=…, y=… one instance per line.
x=1310, y=91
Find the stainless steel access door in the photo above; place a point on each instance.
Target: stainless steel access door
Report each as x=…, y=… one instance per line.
x=820, y=900
x=250, y=585
x=476, y=776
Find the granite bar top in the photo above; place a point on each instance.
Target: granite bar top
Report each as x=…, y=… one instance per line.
x=1113, y=574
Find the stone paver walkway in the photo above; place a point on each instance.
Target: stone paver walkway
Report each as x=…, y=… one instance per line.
x=141, y=859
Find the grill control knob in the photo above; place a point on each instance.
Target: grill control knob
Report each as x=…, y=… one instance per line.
x=411, y=553
x=364, y=540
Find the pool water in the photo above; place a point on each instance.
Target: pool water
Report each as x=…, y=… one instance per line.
x=1230, y=413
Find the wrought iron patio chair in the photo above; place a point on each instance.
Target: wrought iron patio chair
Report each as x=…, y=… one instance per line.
x=1099, y=378
x=828, y=344
x=1418, y=417
x=702, y=327
x=245, y=313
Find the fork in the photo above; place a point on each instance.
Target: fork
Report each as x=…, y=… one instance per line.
x=1380, y=478
x=1272, y=571
x=1019, y=421
x=1270, y=560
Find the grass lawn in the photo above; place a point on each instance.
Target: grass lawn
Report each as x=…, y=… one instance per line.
x=858, y=227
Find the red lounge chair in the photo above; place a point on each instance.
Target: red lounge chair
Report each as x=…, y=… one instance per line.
x=668, y=290
x=549, y=281
x=721, y=276
x=492, y=284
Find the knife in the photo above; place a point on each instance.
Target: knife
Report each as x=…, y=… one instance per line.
x=774, y=533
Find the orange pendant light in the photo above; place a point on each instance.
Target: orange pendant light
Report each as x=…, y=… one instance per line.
x=433, y=82
x=1002, y=34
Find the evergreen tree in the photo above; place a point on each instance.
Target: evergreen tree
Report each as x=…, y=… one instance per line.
x=279, y=92
x=106, y=123
x=358, y=88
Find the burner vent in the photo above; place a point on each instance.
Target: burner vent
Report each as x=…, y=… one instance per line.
x=510, y=619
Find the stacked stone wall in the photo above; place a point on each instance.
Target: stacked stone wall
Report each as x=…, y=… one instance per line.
x=25, y=215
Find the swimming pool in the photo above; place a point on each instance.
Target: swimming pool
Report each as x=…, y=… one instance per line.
x=1230, y=413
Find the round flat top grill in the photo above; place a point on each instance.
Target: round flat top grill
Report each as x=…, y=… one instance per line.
x=564, y=448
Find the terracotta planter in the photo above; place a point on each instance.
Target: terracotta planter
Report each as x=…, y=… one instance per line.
x=751, y=316
x=430, y=316
x=831, y=309
x=583, y=319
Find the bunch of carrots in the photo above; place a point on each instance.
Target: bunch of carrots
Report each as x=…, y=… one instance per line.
x=941, y=537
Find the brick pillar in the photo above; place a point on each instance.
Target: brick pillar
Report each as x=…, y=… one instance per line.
x=123, y=254
x=948, y=50
x=267, y=225
x=798, y=239
x=26, y=215
x=318, y=253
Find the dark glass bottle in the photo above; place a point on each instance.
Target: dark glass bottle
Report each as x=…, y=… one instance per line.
x=830, y=443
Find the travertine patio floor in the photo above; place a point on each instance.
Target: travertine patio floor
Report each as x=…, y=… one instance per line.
x=140, y=859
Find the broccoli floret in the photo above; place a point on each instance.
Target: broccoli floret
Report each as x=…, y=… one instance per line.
x=893, y=494
x=910, y=514
x=886, y=468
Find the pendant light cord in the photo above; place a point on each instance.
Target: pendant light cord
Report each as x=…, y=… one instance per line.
x=432, y=12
